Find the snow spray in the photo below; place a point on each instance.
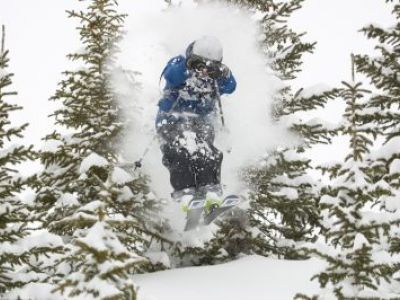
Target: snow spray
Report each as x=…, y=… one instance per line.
x=154, y=34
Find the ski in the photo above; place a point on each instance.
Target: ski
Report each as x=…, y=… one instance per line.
x=201, y=212
x=194, y=210
x=217, y=210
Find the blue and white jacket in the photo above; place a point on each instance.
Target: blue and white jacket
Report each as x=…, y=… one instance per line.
x=185, y=94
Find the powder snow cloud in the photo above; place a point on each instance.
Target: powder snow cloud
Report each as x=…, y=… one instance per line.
x=154, y=35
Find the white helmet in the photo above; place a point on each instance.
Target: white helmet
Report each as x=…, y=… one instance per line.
x=208, y=47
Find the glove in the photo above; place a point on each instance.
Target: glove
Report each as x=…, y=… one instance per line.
x=214, y=69
x=225, y=71
x=219, y=71
x=195, y=63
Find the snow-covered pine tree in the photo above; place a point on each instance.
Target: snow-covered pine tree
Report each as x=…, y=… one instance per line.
x=98, y=208
x=284, y=199
x=100, y=264
x=357, y=252
x=15, y=249
x=383, y=72
x=12, y=213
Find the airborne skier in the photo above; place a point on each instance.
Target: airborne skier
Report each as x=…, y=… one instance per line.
x=185, y=122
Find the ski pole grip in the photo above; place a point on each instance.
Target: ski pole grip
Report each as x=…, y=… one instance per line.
x=138, y=164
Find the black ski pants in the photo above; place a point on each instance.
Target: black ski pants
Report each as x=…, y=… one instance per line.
x=190, y=156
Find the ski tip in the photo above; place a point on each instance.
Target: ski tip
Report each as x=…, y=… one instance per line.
x=231, y=200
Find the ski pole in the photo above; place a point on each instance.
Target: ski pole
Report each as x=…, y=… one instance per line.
x=221, y=112
x=138, y=163
x=3, y=37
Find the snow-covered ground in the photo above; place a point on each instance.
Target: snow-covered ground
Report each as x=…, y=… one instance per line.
x=250, y=277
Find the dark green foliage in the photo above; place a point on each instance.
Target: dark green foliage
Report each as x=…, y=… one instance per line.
x=311, y=133
x=232, y=239
x=14, y=214
x=286, y=198
x=90, y=113
x=383, y=72
x=282, y=45
x=360, y=207
x=103, y=264
x=355, y=232
x=104, y=212
x=284, y=206
x=13, y=155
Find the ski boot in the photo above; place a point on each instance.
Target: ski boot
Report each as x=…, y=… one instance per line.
x=219, y=208
x=192, y=204
x=199, y=202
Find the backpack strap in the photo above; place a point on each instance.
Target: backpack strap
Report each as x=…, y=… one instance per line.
x=162, y=74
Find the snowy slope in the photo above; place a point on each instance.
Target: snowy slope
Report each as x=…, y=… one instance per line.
x=251, y=277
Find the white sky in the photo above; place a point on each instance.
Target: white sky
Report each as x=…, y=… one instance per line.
x=334, y=24
x=39, y=36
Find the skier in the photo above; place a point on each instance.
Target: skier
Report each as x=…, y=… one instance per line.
x=186, y=117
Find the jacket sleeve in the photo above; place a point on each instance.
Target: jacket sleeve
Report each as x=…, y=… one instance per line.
x=227, y=85
x=175, y=73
